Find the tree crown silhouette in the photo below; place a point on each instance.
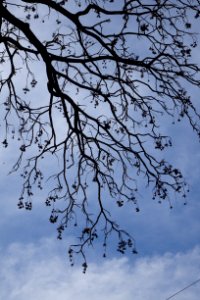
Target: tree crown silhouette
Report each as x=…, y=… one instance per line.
x=114, y=70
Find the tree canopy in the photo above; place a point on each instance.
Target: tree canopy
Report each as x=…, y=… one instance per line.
x=99, y=78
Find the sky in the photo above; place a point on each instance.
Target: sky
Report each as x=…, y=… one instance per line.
x=34, y=264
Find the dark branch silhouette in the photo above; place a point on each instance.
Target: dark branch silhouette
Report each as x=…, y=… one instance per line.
x=113, y=70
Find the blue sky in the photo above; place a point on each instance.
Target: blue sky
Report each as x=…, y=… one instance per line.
x=34, y=264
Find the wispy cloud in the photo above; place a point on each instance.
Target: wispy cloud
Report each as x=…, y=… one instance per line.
x=37, y=271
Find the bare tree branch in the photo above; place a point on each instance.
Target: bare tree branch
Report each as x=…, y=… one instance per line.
x=112, y=74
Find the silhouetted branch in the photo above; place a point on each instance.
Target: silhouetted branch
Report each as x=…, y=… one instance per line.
x=111, y=75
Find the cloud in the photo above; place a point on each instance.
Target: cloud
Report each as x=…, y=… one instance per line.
x=38, y=271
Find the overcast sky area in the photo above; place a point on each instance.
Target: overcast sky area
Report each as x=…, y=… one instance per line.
x=34, y=264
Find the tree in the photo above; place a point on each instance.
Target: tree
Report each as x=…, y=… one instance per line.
x=113, y=70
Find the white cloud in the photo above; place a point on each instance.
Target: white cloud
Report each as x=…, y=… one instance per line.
x=36, y=271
